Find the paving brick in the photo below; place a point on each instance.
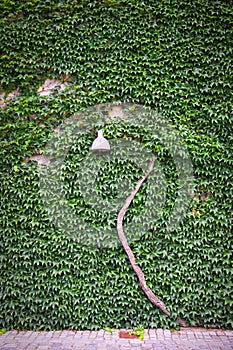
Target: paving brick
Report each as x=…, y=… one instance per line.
x=3, y=338
x=13, y=332
x=93, y=335
x=79, y=347
x=107, y=336
x=167, y=333
x=90, y=347
x=77, y=336
x=153, y=337
x=160, y=336
x=134, y=340
x=62, y=335
x=11, y=344
x=26, y=344
x=220, y=332
x=198, y=334
x=55, y=344
x=175, y=336
x=206, y=336
x=115, y=336
x=152, y=332
x=56, y=334
x=227, y=345
x=228, y=333
x=125, y=342
x=191, y=336
x=158, y=347
x=146, y=337
x=86, y=332
x=146, y=347
x=102, y=347
x=113, y=347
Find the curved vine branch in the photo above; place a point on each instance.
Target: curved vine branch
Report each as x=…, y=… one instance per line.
x=150, y=295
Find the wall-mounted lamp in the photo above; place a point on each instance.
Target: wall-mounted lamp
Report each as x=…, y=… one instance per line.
x=100, y=144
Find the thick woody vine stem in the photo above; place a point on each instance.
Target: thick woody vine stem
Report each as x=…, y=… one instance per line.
x=150, y=295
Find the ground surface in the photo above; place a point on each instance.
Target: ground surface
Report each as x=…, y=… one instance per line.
x=185, y=339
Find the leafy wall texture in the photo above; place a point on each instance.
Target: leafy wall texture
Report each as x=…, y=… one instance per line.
x=176, y=58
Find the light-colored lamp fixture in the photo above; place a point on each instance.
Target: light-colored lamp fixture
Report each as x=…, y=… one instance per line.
x=100, y=144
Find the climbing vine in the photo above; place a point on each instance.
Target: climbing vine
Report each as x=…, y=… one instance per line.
x=174, y=57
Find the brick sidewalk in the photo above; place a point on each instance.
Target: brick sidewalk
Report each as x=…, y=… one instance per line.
x=185, y=339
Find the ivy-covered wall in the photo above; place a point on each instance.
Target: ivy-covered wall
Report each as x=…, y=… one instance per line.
x=174, y=56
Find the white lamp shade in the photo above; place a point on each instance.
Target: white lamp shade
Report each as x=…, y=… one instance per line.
x=100, y=143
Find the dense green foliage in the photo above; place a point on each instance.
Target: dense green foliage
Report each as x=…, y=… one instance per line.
x=174, y=56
